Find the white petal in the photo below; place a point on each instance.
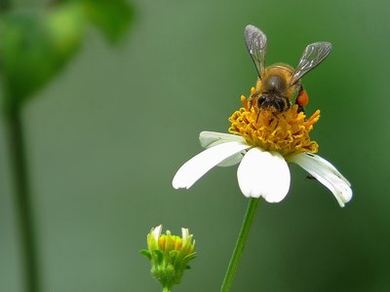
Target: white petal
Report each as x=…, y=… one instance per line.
x=208, y=138
x=185, y=233
x=232, y=160
x=200, y=164
x=156, y=232
x=326, y=174
x=325, y=164
x=264, y=174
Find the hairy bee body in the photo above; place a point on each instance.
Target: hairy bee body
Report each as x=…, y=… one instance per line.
x=273, y=90
x=279, y=85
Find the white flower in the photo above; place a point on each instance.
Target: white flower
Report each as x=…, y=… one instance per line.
x=260, y=173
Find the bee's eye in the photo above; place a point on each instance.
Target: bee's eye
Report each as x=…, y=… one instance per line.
x=302, y=99
x=262, y=101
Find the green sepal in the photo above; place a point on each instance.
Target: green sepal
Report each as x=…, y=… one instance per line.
x=189, y=257
x=158, y=256
x=146, y=253
x=173, y=254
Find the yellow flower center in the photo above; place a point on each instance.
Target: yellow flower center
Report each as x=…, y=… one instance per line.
x=286, y=132
x=168, y=242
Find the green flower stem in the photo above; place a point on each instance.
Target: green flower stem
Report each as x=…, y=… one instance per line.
x=23, y=199
x=240, y=244
x=166, y=289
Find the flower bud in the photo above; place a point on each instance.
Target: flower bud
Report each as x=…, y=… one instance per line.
x=169, y=255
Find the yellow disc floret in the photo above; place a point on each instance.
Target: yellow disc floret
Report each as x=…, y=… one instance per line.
x=286, y=132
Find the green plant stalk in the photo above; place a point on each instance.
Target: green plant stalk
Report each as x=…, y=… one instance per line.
x=240, y=244
x=166, y=289
x=22, y=195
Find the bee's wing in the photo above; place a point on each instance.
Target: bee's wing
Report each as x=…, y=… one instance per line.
x=314, y=54
x=256, y=42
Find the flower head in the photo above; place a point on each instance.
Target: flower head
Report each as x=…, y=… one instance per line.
x=269, y=130
x=169, y=255
x=286, y=132
x=263, y=141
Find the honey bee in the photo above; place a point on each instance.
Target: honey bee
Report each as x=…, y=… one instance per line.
x=279, y=85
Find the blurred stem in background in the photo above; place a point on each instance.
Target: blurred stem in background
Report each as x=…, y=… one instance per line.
x=23, y=204
x=35, y=45
x=240, y=244
x=21, y=187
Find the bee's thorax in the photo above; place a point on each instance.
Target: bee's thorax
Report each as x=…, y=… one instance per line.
x=273, y=89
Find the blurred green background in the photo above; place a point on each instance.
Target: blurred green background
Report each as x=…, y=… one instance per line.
x=107, y=135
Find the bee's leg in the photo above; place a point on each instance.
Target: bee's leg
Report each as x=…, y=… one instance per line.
x=255, y=100
x=252, y=102
x=259, y=103
x=258, y=114
x=281, y=104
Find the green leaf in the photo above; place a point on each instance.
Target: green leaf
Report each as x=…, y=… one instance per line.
x=35, y=46
x=112, y=17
